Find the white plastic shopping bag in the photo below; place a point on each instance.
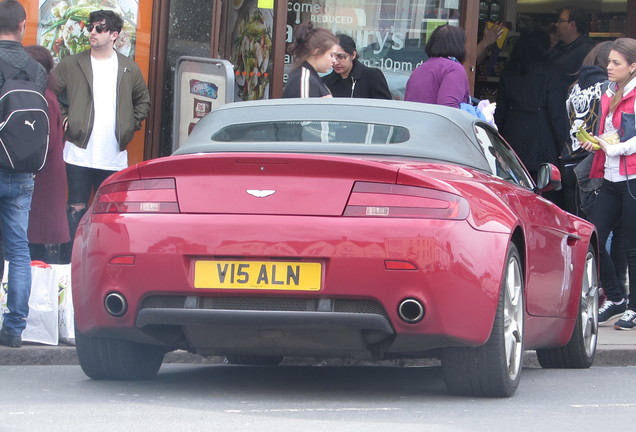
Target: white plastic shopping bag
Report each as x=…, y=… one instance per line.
x=65, y=303
x=42, y=321
x=3, y=292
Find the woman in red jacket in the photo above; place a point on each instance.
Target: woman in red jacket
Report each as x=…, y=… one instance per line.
x=616, y=164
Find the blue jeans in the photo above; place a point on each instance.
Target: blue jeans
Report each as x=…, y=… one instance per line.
x=16, y=190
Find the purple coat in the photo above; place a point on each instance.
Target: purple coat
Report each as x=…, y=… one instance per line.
x=440, y=81
x=47, y=220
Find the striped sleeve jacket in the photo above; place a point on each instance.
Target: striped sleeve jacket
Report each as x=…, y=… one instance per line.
x=305, y=82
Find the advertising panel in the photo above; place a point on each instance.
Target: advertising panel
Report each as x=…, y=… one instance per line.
x=201, y=85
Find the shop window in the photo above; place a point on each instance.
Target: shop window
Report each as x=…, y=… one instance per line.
x=389, y=34
x=63, y=27
x=250, y=29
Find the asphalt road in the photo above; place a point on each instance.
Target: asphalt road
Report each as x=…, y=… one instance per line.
x=288, y=398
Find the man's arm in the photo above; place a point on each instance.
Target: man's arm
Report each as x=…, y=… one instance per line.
x=140, y=98
x=59, y=75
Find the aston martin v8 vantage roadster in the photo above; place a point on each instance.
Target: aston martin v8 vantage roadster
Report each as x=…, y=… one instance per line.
x=336, y=228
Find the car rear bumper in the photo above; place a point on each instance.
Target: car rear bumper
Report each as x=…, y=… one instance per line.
x=457, y=280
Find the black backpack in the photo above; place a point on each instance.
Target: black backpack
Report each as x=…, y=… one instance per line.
x=24, y=120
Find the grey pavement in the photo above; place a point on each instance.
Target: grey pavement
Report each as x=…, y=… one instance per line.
x=615, y=348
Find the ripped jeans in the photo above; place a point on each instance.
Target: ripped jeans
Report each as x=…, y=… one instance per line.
x=82, y=183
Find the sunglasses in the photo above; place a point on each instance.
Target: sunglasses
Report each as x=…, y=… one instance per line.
x=98, y=28
x=340, y=56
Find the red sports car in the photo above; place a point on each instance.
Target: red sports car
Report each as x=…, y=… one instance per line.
x=336, y=228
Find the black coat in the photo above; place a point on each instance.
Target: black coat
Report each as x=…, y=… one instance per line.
x=568, y=58
x=531, y=114
x=362, y=82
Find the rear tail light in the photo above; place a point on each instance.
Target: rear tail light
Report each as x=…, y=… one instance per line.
x=398, y=201
x=138, y=196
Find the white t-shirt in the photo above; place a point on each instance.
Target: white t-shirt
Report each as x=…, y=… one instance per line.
x=102, y=151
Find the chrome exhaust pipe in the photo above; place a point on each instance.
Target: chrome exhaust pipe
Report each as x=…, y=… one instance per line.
x=411, y=310
x=115, y=304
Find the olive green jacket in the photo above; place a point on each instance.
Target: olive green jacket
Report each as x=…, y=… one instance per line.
x=74, y=88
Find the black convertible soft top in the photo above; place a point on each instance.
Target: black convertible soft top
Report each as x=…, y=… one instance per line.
x=341, y=126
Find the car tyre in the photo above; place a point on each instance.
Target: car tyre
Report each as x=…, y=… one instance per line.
x=493, y=369
x=113, y=359
x=250, y=360
x=580, y=351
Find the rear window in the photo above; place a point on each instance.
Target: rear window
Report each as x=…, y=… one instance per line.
x=313, y=131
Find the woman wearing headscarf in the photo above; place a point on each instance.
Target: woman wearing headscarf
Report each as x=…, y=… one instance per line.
x=530, y=112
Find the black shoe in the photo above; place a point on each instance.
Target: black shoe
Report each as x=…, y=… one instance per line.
x=10, y=340
x=610, y=310
x=627, y=321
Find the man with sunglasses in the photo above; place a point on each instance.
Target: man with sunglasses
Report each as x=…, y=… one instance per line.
x=103, y=99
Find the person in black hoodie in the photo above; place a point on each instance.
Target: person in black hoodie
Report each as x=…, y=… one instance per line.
x=583, y=105
x=351, y=78
x=530, y=112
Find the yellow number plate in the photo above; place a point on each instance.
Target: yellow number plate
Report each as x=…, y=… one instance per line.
x=273, y=275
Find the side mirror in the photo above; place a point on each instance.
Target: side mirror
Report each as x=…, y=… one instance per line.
x=548, y=178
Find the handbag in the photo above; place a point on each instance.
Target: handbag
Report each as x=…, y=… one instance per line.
x=588, y=187
x=628, y=127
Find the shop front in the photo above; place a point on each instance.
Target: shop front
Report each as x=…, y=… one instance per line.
x=254, y=36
